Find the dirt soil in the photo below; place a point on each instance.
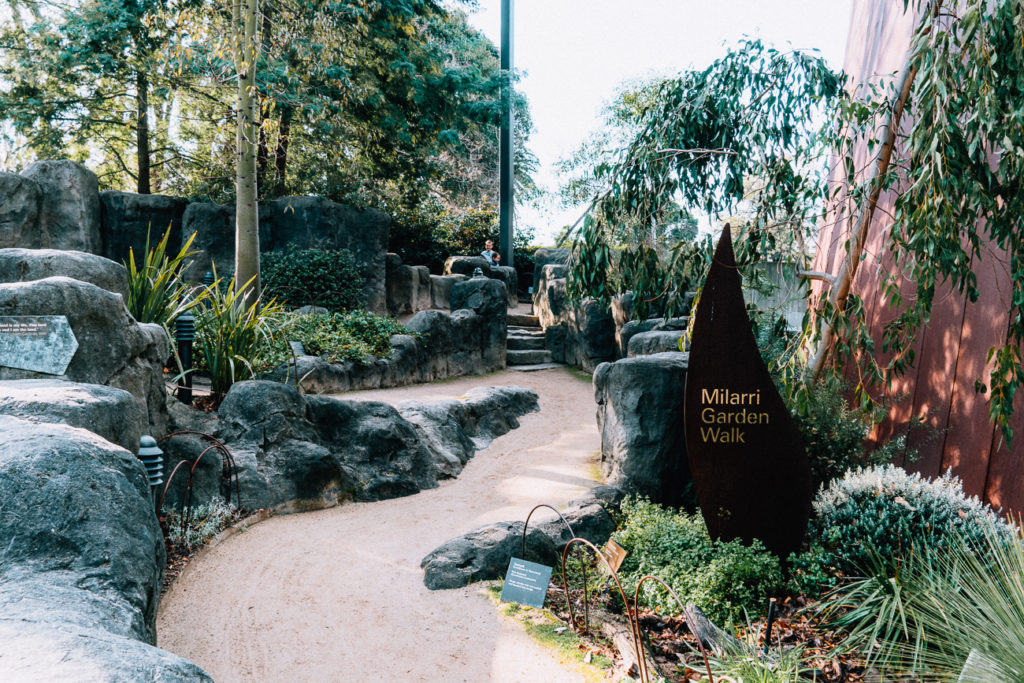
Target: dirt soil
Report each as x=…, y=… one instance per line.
x=338, y=594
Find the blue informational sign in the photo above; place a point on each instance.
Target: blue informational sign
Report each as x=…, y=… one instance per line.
x=526, y=583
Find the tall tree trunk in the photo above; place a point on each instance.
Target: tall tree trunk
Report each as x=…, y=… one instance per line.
x=247, y=234
x=142, y=130
x=840, y=291
x=263, y=150
x=281, y=153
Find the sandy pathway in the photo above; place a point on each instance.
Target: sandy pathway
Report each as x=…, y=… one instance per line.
x=337, y=595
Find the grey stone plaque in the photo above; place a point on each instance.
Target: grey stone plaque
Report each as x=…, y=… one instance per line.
x=40, y=343
x=526, y=583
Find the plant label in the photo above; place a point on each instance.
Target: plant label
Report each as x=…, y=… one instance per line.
x=526, y=583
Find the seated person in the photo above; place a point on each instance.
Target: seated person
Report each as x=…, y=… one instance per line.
x=493, y=258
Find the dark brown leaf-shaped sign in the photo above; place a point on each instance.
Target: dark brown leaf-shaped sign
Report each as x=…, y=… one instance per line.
x=746, y=456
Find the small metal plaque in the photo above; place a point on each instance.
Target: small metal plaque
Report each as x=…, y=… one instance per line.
x=40, y=343
x=526, y=583
x=614, y=554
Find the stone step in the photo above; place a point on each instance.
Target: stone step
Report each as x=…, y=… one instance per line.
x=531, y=357
x=522, y=319
x=518, y=343
x=526, y=331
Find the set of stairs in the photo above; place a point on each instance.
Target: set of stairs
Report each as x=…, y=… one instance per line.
x=525, y=345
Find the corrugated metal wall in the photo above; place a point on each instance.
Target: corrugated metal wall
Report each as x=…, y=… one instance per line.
x=951, y=352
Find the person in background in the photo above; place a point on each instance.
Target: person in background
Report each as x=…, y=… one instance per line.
x=493, y=257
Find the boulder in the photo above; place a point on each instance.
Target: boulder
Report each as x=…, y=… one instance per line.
x=484, y=553
x=408, y=289
x=622, y=313
x=555, y=338
x=23, y=265
x=296, y=452
x=311, y=222
x=113, y=349
x=647, y=343
x=111, y=413
x=20, y=201
x=590, y=339
x=508, y=275
x=69, y=215
x=127, y=218
x=487, y=299
x=466, y=265
x=640, y=415
x=82, y=560
x=550, y=298
x=441, y=290
x=214, y=228
x=544, y=256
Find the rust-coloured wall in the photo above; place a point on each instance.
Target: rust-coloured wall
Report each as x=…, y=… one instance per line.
x=951, y=351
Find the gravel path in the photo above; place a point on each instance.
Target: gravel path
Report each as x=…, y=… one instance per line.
x=338, y=595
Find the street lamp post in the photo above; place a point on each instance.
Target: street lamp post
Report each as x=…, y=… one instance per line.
x=505, y=154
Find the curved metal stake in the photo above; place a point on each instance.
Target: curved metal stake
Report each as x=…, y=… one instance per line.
x=644, y=674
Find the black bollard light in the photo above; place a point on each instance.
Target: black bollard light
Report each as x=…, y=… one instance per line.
x=478, y=273
x=153, y=458
x=185, y=334
x=208, y=279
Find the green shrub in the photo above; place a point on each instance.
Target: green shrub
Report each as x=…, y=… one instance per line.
x=335, y=337
x=882, y=513
x=725, y=579
x=834, y=434
x=206, y=521
x=312, y=277
x=231, y=336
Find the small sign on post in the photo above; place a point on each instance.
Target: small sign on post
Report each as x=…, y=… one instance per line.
x=614, y=554
x=526, y=583
x=40, y=343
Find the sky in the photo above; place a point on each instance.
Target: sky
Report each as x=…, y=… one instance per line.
x=574, y=53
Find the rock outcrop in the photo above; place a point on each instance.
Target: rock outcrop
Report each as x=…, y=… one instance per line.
x=81, y=561
x=640, y=415
x=111, y=413
x=467, y=265
x=69, y=211
x=296, y=452
x=582, y=334
x=408, y=287
x=483, y=553
x=20, y=200
x=656, y=341
x=24, y=265
x=113, y=349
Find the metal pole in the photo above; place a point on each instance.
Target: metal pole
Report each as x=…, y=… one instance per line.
x=505, y=157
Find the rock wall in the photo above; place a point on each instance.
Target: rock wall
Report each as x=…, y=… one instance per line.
x=582, y=334
x=297, y=452
x=57, y=205
x=640, y=415
x=81, y=561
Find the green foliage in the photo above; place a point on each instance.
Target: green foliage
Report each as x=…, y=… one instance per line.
x=155, y=292
x=335, y=337
x=751, y=665
x=744, y=130
x=315, y=277
x=207, y=520
x=231, y=336
x=430, y=233
x=834, y=434
x=723, y=579
x=882, y=514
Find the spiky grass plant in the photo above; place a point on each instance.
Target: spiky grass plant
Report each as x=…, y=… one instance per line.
x=231, y=335
x=156, y=293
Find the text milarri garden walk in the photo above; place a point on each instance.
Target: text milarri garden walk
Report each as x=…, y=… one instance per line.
x=719, y=412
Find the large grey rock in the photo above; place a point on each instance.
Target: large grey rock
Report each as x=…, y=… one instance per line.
x=640, y=415
x=550, y=298
x=127, y=218
x=408, y=289
x=113, y=349
x=69, y=216
x=311, y=222
x=441, y=290
x=105, y=411
x=466, y=265
x=483, y=553
x=487, y=299
x=508, y=275
x=81, y=562
x=622, y=313
x=298, y=452
x=214, y=228
x=660, y=341
x=23, y=265
x=544, y=256
x=590, y=339
x=20, y=200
